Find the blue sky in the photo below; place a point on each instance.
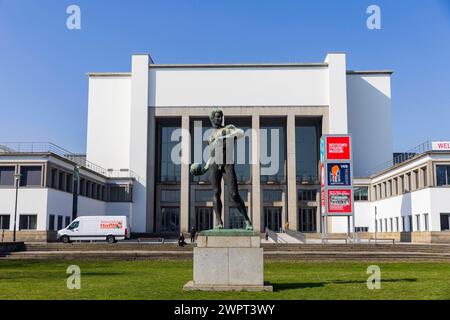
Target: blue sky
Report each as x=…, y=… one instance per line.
x=43, y=87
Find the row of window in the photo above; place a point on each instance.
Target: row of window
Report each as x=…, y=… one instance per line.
x=403, y=224
x=173, y=195
x=26, y=221
x=62, y=222
x=273, y=132
x=407, y=182
x=30, y=176
x=64, y=181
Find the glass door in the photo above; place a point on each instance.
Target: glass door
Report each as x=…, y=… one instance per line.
x=203, y=218
x=272, y=218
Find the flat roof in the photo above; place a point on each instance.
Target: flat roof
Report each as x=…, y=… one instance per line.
x=108, y=74
x=370, y=71
x=239, y=65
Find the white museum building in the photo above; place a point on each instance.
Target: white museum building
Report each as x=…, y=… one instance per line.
x=128, y=169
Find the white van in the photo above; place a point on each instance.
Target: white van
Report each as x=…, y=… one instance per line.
x=109, y=228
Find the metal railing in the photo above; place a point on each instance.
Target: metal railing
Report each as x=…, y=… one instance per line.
x=78, y=159
x=402, y=157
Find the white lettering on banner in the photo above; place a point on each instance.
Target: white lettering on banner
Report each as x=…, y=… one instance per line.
x=337, y=147
x=440, y=145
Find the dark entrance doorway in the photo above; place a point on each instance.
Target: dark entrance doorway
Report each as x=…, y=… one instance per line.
x=307, y=219
x=272, y=218
x=203, y=218
x=445, y=222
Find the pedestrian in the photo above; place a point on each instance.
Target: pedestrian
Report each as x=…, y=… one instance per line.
x=181, y=241
x=193, y=234
x=286, y=226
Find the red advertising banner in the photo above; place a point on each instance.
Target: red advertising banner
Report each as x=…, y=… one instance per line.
x=340, y=201
x=338, y=148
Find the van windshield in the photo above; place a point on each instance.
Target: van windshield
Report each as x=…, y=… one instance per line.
x=74, y=225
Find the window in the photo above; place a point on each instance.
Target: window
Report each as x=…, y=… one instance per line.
x=60, y=222
x=401, y=185
x=389, y=188
x=67, y=221
x=51, y=222
x=425, y=221
x=30, y=176
x=391, y=224
x=236, y=219
x=381, y=225
x=361, y=229
x=410, y=222
x=242, y=155
x=203, y=195
x=168, y=170
x=383, y=190
x=243, y=194
x=395, y=187
x=403, y=224
x=272, y=140
x=397, y=227
x=416, y=176
x=445, y=222
x=361, y=193
x=7, y=176
x=170, y=195
x=307, y=195
x=170, y=219
x=28, y=222
x=443, y=175
x=74, y=225
x=417, y=222
x=425, y=177
x=82, y=187
x=120, y=193
x=53, y=178
x=4, y=221
x=375, y=192
x=376, y=226
x=69, y=181
x=61, y=181
x=385, y=225
x=306, y=149
x=272, y=195
x=408, y=182
x=94, y=190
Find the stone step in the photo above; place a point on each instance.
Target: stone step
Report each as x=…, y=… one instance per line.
x=274, y=255
x=268, y=247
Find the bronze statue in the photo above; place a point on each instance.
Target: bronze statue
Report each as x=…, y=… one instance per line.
x=219, y=165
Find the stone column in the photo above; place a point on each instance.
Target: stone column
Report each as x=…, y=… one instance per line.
x=186, y=156
x=256, y=177
x=291, y=173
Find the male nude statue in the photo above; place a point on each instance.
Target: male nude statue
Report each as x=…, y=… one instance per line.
x=221, y=165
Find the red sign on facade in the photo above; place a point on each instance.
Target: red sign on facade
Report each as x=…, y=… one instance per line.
x=340, y=201
x=338, y=148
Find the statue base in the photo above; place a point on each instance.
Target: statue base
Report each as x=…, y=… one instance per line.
x=228, y=260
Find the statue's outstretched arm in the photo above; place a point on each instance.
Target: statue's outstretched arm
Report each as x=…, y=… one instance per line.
x=206, y=167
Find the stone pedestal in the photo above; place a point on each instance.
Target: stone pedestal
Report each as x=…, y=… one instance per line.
x=226, y=261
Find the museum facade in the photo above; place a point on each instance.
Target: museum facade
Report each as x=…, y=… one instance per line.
x=133, y=118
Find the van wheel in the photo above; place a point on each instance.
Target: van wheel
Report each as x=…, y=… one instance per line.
x=65, y=239
x=110, y=239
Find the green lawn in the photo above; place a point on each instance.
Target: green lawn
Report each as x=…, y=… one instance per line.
x=164, y=280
